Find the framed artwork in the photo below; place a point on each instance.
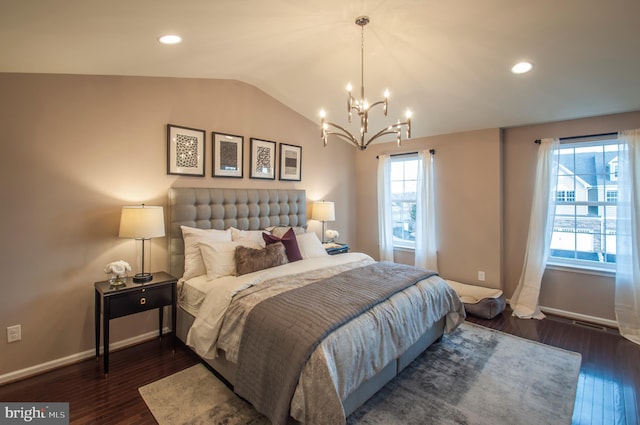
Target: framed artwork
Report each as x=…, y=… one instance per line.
x=185, y=151
x=263, y=159
x=290, y=162
x=227, y=155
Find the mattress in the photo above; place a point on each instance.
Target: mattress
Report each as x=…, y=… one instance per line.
x=192, y=292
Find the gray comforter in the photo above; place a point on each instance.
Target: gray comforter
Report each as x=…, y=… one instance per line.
x=281, y=332
x=345, y=358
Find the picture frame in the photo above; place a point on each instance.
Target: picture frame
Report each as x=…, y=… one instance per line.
x=185, y=151
x=290, y=162
x=263, y=159
x=227, y=155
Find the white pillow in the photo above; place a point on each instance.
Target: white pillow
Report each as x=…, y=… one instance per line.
x=247, y=235
x=310, y=246
x=193, y=264
x=219, y=257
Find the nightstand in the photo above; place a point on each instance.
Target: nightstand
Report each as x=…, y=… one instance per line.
x=336, y=248
x=132, y=298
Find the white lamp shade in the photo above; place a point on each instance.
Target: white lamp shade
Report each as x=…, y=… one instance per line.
x=323, y=211
x=141, y=222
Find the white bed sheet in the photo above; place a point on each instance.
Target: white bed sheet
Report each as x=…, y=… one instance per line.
x=192, y=292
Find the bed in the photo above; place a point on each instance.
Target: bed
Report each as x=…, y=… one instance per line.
x=218, y=309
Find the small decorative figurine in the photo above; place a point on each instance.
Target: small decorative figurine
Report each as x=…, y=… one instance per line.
x=332, y=235
x=118, y=271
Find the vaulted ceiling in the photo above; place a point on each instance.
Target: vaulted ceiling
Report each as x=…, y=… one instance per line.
x=447, y=61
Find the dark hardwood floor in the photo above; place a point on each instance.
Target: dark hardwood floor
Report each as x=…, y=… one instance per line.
x=607, y=387
x=94, y=399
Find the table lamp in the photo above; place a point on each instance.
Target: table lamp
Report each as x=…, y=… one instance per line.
x=323, y=211
x=142, y=222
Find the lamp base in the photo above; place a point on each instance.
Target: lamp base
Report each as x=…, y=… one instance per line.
x=142, y=277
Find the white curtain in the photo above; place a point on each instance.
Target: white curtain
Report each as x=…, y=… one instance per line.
x=426, y=242
x=385, y=225
x=524, y=301
x=627, y=298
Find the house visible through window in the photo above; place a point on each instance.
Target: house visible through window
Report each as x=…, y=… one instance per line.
x=586, y=192
x=404, y=178
x=565, y=196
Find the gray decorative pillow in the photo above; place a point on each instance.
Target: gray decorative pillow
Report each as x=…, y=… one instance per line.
x=250, y=260
x=280, y=231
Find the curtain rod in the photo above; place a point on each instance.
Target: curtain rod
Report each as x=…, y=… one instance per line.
x=431, y=151
x=538, y=141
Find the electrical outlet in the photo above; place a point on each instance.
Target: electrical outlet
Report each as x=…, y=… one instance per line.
x=480, y=276
x=14, y=333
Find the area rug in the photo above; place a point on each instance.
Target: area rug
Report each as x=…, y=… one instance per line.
x=474, y=376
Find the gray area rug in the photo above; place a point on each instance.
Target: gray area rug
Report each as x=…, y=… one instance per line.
x=474, y=376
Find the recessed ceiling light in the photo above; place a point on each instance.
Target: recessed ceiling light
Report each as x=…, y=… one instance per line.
x=521, y=67
x=170, y=39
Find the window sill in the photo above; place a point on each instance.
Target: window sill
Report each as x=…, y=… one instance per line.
x=591, y=270
x=404, y=248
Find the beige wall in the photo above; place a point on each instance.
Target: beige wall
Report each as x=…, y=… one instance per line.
x=584, y=294
x=468, y=204
x=484, y=184
x=77, y=148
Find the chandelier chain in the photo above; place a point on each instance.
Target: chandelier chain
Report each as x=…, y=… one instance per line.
x=362, y=60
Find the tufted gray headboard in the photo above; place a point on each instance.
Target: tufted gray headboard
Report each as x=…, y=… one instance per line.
x=244, y=209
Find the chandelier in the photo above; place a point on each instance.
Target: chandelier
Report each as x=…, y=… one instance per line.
x=362, y=107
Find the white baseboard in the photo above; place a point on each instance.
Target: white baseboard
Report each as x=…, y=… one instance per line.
x=577, y=316
x=581, y=317
x=75, y=358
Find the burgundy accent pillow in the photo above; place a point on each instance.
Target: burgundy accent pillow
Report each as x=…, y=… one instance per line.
x=290, y=244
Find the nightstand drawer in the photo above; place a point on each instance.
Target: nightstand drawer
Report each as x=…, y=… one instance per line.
x=139, y=300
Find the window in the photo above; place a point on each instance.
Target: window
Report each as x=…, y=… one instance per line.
x=404, y=179
x=565, y=196
x=586, y=192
